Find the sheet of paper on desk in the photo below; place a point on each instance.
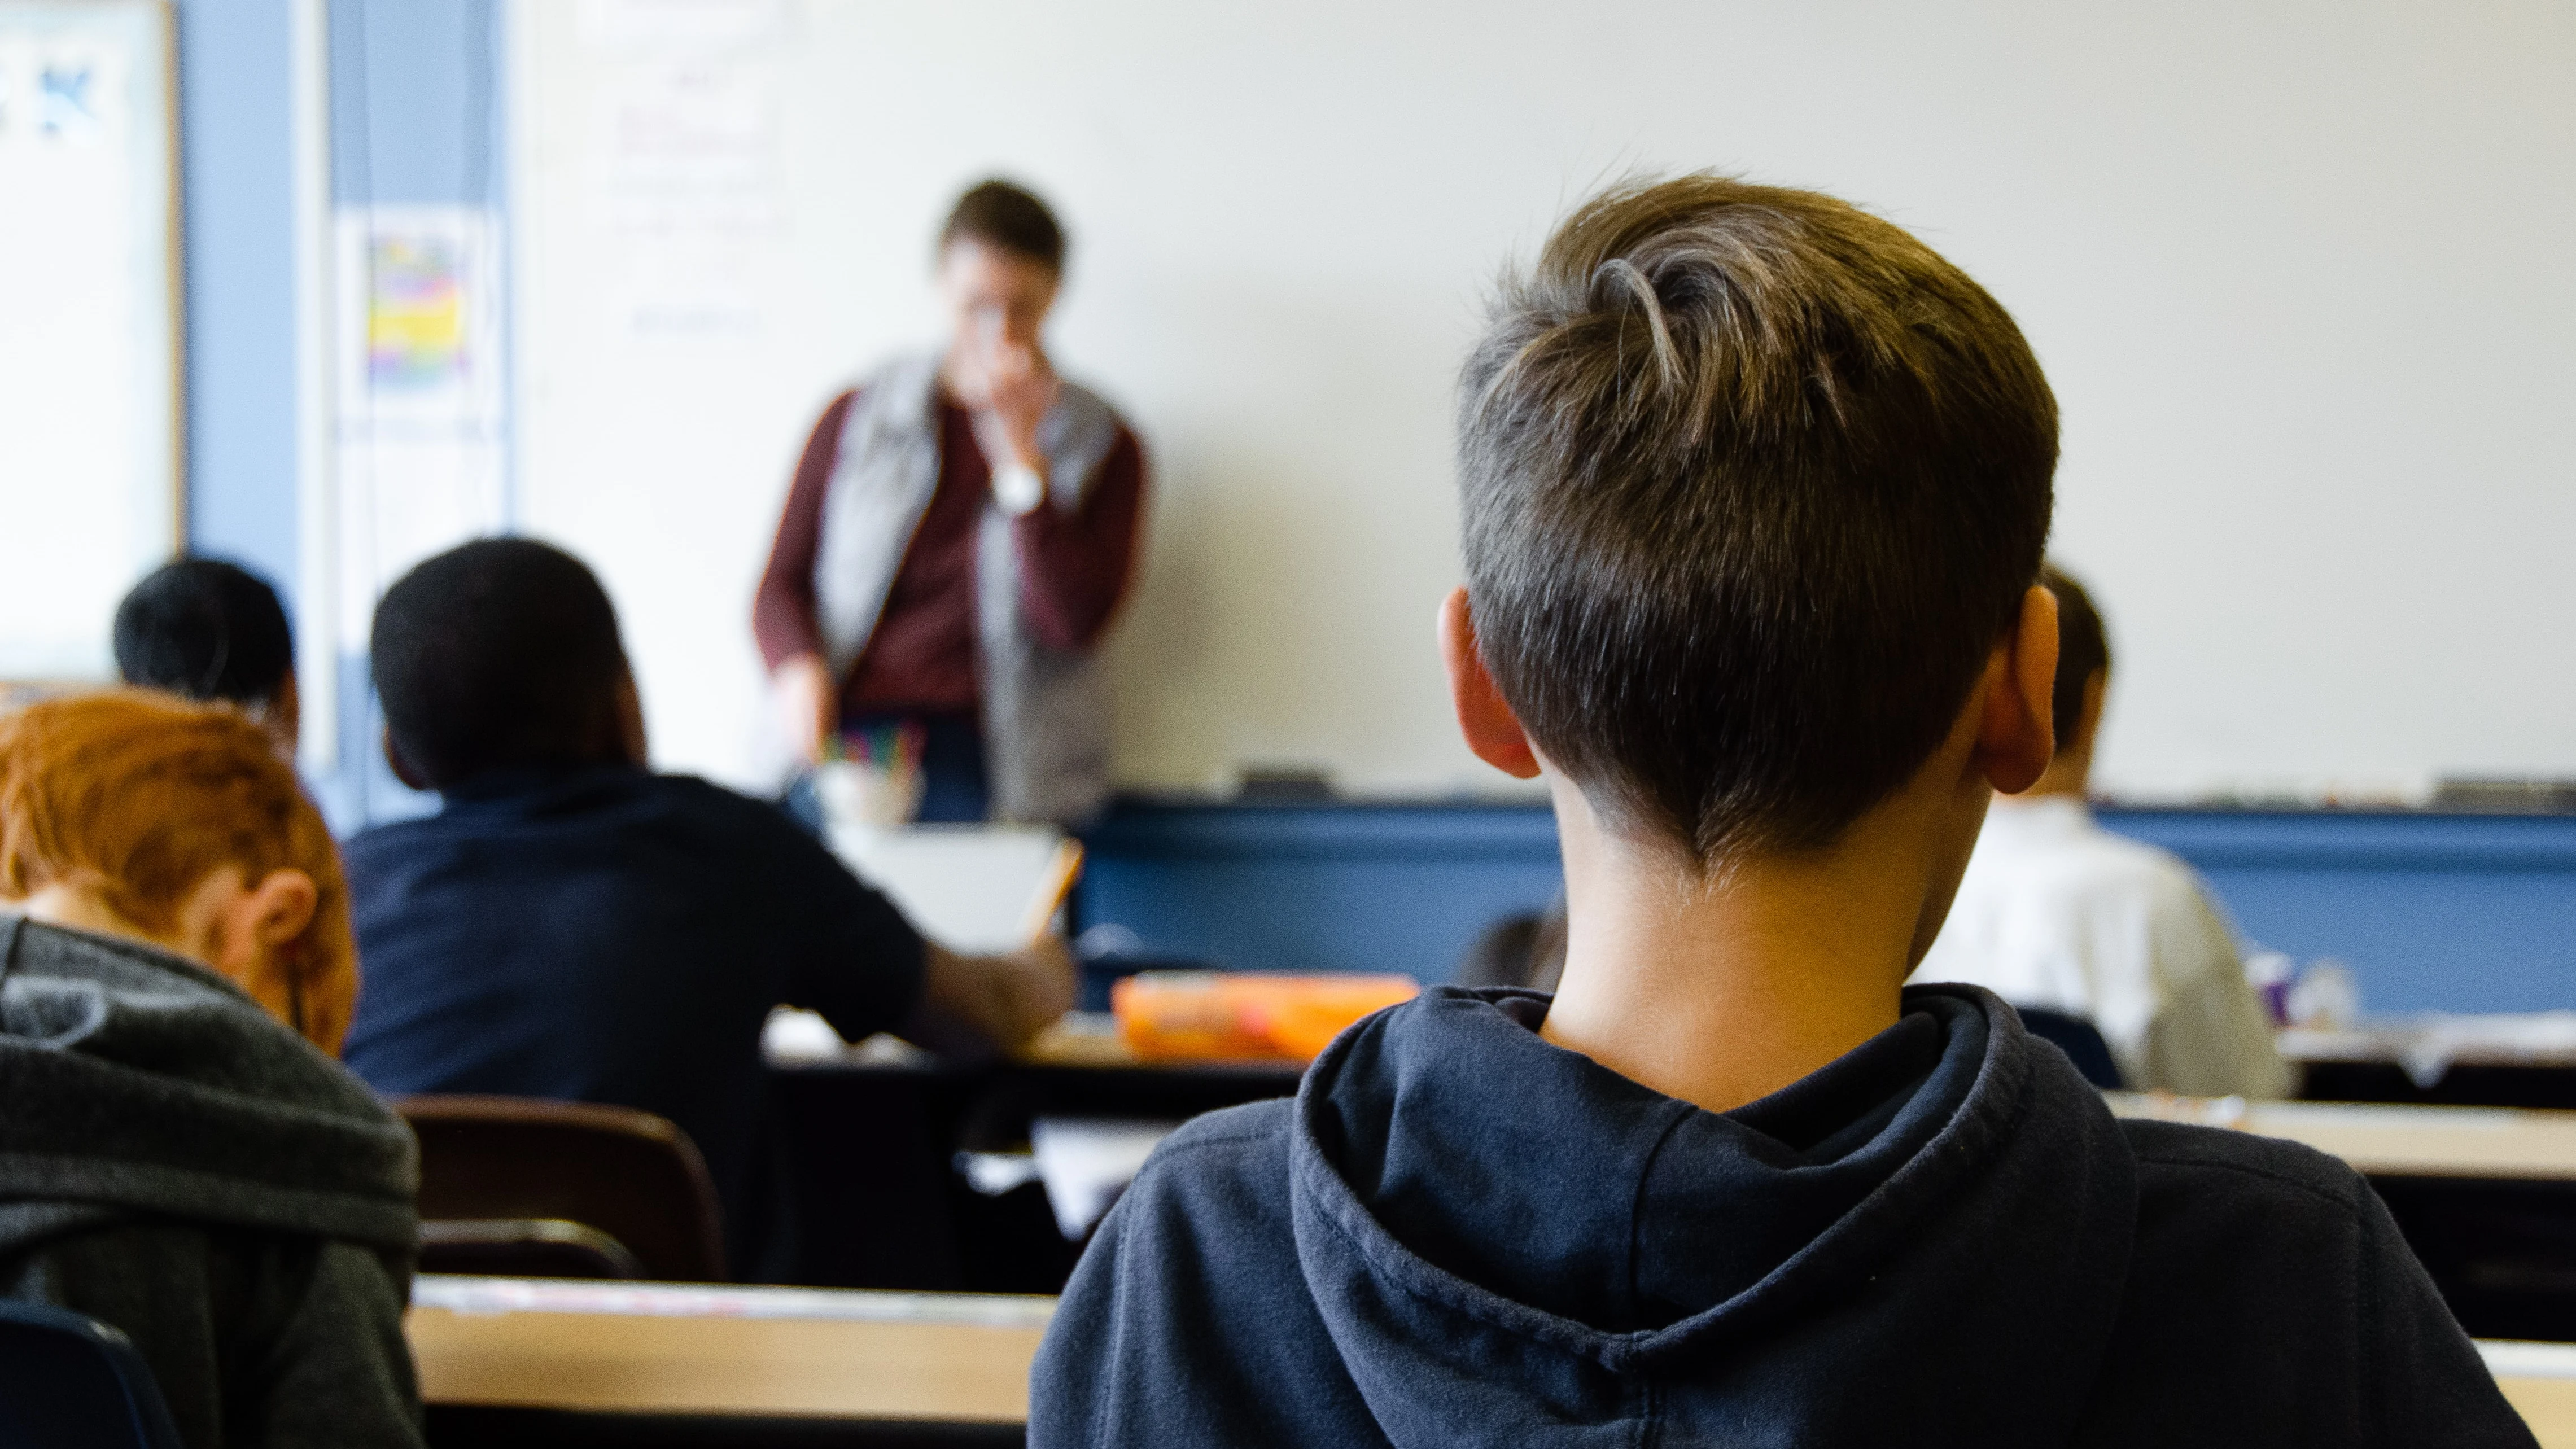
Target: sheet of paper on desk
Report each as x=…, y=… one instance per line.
x=1086, y=1162
x=969, y=887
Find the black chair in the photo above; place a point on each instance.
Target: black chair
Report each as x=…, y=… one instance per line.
x=2079, y=1039
x=525, y=1188
x=68, y=1381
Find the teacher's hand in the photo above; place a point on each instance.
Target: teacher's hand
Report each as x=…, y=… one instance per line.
x=806, y=703
x=1009, y=394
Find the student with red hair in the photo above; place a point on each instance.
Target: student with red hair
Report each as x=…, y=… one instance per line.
x=182, y=1156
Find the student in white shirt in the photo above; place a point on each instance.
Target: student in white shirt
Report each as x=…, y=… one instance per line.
x=2057, y=912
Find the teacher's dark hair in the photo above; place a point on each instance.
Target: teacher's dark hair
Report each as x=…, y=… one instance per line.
x=501, y=653
x=1753, y=484
x=204, y=629
x=1010, y=218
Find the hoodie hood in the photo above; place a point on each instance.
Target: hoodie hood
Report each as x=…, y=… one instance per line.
x=1491, y=1261
x=132, y=1081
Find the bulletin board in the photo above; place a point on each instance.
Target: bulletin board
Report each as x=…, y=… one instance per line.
x=91, y=490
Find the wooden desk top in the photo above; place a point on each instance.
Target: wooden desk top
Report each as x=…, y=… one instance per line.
x=1091, y=1040
x=2539, y=1380
x=671, y=1349
x=1081, y=1041
x=818, y=1353
x=2390, y=1141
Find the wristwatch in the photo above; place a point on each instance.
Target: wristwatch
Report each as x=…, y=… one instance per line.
x=1018, y=488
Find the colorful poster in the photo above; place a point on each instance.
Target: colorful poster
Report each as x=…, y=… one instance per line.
x=422, y=463
x=415, y=314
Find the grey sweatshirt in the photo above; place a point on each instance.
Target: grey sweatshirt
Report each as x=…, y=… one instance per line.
x=177, y=1163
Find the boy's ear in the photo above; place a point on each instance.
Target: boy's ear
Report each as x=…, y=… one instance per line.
x=1492, y=730
x=632, y=748
x=2015, y=740
x=278, y=909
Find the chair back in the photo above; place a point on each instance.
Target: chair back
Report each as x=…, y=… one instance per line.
x=68, y=1381
x=561, y=1189
x=2081, y=1040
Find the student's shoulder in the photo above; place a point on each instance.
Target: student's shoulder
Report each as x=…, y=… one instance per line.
x=393, y=839
x=1224, y=1170
x=1229, y=1141
x=699, y=793
x=2109, y=870
x=2217, y=1170
x=729, y=812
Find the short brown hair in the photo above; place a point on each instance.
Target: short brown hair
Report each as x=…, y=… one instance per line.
x=1752, y=483
x=1010, y=217
x=2083, y=650
x=138, y=797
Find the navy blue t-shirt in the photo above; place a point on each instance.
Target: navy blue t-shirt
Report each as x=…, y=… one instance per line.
x=608, y=935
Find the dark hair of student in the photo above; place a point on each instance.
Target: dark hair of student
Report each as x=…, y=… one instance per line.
x=1000, y=214
x=206, y=630
x=496, y=654
x=1752, y=482
x=2083, y=650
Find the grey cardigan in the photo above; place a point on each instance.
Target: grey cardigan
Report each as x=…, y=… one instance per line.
x=176, y=1162
x=1046, y=713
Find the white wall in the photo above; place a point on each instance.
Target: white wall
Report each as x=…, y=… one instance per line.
x=2299, y=272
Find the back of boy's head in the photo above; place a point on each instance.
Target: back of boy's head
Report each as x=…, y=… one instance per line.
x=502, y=653
x=205, y=629
x=1753, y=483
x=136, y=798
x=2083, y=650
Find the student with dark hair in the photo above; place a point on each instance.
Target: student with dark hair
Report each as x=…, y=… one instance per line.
x=1755, y=487
x=959, y=532
x=2057, y=912
x=205, y=629
x=571, y=925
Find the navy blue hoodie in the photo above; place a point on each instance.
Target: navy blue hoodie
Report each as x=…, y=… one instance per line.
x=1458, y=1233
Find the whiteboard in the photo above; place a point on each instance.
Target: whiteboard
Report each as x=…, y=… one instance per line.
x=2296, y=270
x=89, y=326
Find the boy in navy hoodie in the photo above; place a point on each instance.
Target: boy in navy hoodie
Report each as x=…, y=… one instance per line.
x=1755, y=489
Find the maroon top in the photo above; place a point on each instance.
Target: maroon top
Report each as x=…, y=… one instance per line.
x=1073, y=569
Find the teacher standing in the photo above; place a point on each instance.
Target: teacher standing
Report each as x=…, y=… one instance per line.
x=959, y=533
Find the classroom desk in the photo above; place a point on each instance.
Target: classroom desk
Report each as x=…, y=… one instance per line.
x=2486, y=1197
x=2539, y=1380
x=1082, y=1067
x=869, y=1142
x=627, y=1356
x=646, y=1356
x=2518, y=1060
x=2391, y=1141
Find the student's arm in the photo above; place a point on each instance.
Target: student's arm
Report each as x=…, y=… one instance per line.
x=1074, y=565
x=337, y=1370
x=867, y=970
x=1007, y=999
x=2210, y=1036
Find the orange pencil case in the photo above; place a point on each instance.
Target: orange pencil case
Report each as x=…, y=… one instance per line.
x=1222, y=1015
